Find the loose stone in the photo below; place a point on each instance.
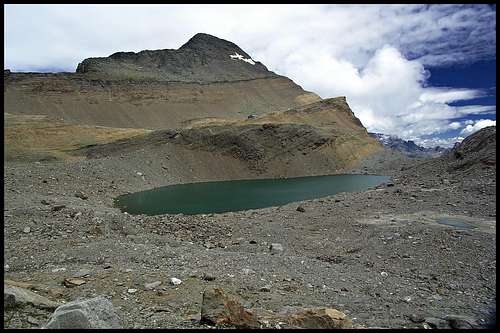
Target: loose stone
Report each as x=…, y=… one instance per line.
x=276, y=248
x=152, y=285
x=175, y=281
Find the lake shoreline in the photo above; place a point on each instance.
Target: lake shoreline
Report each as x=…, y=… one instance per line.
x=239, y=195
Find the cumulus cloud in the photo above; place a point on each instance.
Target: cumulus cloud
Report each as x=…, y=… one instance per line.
x=388, y=94
x=375, y=55
x=469, y=129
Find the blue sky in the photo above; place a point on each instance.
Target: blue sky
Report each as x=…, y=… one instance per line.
x=478, y=75
x=422, y=72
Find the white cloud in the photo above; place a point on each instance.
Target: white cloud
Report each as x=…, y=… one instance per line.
x=375, y=55
x=62, y=35
x=476, y=109
x=388, y=94
x=448, y=95
x=469, y=129
x=442, y=142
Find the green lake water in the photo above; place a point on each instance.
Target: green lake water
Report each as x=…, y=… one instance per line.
x=236, y=195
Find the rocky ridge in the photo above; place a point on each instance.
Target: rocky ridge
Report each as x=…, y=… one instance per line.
x=477, y=149
x=203, y=59
x=325, y=133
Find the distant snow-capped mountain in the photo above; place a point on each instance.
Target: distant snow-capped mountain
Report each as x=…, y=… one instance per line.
x=409, y=147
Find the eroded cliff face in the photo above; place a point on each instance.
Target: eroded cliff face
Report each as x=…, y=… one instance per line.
x=323, y=137
x=145, y=104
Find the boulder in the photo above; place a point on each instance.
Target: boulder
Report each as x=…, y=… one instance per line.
x=15, y=296
x=81, y=195
x=417, y=318
x=221, y=310
x=461, y=322
x=276, y=248
x=314, y=318
x=175, y=281
x=57, y=208
x=208, y=277
x=92, y=313
x=82, y=273
x=247, y=271
x=266, y=288
x=73, y=282
x=452, y=322
x=437, y=323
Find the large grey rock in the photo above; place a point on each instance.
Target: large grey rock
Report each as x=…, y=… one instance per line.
x=15, y=296
x=92, y=313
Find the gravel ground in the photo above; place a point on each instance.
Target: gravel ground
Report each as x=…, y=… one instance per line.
x=379, y=256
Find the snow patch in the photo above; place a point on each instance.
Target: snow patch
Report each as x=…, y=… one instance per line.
x=238, y=56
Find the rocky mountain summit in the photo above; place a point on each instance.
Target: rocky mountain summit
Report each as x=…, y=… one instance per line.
x=203, y=59
x=206, y=77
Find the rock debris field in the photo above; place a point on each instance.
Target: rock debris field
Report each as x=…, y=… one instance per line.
x=374, y=259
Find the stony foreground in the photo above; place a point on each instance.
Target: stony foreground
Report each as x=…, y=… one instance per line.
x=378, y=257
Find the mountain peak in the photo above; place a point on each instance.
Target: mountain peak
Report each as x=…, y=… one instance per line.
x=203, y=37
x=203, y=58
x=205, y=43
x=407, y=147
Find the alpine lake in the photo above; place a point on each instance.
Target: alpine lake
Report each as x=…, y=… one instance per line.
x=237, y=195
